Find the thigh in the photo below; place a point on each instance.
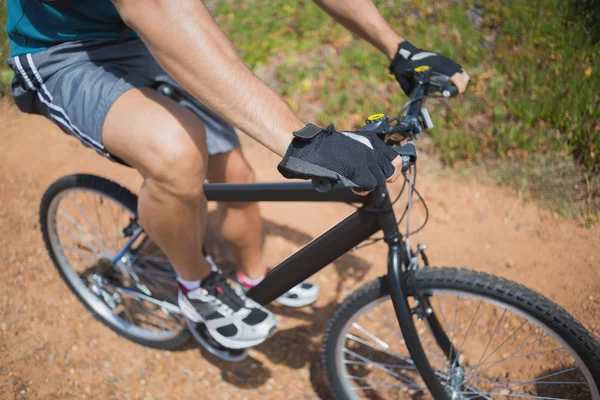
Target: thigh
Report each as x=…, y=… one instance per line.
x=156, y=135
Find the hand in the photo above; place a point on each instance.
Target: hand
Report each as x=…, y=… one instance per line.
x=397, y=163
x=410, y=57
x=355, y=159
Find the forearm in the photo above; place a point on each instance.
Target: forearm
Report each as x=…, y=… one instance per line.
x=362, y=18
x=191, y=47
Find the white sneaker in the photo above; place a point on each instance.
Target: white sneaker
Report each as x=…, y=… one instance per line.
x=300, y=295
x=232, y=319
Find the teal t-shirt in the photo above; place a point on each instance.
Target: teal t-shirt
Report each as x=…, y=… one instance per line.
x=33, y=26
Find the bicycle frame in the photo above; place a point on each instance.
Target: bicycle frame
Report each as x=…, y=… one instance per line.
x=376, y=214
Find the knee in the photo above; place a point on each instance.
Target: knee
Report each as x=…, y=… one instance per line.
x=242, y=173
x=181, y=163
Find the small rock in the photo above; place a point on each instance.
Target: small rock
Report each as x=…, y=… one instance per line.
x=504, y=392
x=509, y=263
x=12, y=258
x=142, y=382
x=106, y=364
x=72, y=371
x=74, y=347
x=51, y=357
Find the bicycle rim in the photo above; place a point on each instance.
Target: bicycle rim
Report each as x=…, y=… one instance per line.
x=503, y=353
x=85, y=231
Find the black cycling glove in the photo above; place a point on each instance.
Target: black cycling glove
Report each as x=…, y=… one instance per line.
x=355, y=159
x=410, y=57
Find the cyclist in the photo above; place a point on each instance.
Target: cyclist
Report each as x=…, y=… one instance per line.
x=87, y=65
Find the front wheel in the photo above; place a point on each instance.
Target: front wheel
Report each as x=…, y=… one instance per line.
x=511, y=342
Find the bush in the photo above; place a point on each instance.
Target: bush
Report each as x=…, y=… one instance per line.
x=588, y=11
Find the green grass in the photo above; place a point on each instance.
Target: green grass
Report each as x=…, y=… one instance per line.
x=536, y=74
x=5, y=73
x=535, y=93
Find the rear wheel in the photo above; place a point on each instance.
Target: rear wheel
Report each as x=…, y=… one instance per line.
x=511, y=343
x=85, y=221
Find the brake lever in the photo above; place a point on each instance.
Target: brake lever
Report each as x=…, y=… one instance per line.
x=408, y=152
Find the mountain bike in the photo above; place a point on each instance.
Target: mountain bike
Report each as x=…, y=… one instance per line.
x=416, y=332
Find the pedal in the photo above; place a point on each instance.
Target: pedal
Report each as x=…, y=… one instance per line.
x=203, y=337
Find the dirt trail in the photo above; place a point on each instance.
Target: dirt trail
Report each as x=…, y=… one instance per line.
x=50, y=347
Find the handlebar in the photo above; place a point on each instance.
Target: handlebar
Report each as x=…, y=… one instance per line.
x=415, y=120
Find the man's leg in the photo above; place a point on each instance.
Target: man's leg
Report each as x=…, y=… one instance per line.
x=167, y=144
x=241, y=224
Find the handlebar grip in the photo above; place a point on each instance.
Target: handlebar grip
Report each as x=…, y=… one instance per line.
x=450, y=91
x=323, y=185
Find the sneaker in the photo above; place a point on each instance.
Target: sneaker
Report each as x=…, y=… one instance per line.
x=233, y=320
x=300, y=295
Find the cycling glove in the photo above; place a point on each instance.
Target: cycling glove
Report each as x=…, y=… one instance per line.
x=410, y=57
x=355, y=159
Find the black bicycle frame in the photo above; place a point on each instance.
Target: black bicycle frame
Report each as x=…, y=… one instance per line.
x=376, y=214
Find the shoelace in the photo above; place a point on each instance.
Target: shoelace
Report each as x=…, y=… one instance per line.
x=217, y=286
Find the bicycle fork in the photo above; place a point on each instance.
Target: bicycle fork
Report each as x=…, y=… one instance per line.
x=404, y=314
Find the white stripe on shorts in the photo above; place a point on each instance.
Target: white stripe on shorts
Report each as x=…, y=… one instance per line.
x=63, y=118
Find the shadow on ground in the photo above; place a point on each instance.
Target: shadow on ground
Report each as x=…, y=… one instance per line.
x=295, y=347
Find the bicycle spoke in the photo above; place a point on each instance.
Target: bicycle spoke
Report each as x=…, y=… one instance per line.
x=359, y=340
x=94, y=226
x=526, y=355
x=524, y=395
x=486, y=347
x=453, y=332
x=506, y=340
x=398, y=366
x=515, y=352
x=470, y=325
x=381, y=367
x=81, y=229
x=98, y=216
x=60, y=225
x=545, y=376
x=371, y=336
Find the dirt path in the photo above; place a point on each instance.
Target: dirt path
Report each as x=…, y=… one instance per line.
x=50, y=347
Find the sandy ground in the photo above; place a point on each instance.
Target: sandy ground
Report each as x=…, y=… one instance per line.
x=51, y=347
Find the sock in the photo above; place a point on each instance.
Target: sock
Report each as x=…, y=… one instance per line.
x=249, y=282
x=188, y=286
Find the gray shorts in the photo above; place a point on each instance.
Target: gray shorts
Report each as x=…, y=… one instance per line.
x=76, y=83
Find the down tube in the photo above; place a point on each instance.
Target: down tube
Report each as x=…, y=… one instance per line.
x=316, y=255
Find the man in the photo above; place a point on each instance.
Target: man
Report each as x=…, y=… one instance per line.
x=87, y=65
